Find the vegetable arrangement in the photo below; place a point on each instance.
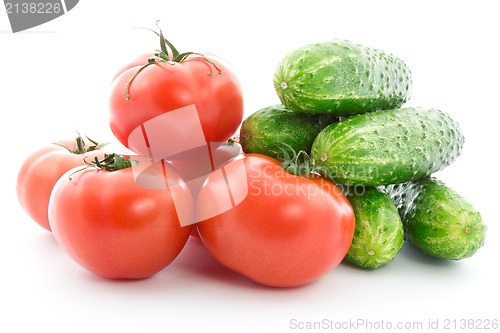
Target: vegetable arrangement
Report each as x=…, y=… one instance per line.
x=338, y=171
x=375, y=151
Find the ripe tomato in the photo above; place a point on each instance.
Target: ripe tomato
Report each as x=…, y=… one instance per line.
x=164, y=87
x=115, y=228
x=41, y=170
x=287, y=231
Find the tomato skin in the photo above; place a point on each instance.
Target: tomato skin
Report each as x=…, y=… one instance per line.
x=163, y=87
x=288, y=231
x=137, y=62
x=113, y=227
x=39, y=173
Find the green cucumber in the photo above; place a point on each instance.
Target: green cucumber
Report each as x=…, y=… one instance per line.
x=438, y=220
x=265, y=129
x=378, y=235
x=341, y=78
x=387, y=147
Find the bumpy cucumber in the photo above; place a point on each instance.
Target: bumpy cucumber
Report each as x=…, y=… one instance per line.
x=342, y=78
x=378, y=235
x=265, y=129
x=437, y=219
x=388, y=147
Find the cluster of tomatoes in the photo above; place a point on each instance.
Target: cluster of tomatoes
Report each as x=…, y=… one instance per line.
x=130, y=215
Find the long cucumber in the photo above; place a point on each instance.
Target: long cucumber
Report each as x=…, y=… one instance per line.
x=341, y=78
x=437, y=219
x=388, y=147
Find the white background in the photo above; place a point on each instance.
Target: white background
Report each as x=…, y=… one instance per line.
x=55, y=78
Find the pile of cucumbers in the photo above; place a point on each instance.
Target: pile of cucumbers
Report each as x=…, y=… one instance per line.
x=341, y=103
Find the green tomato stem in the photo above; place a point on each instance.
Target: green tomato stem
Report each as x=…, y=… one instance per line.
x=80, y=145
x=162, y=55
x=297, y=163
x=110, y=162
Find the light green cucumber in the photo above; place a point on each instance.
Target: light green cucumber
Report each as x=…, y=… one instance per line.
x=341, y=78
x=438, y=220
x=378, y=235
x=388, y=147
x=264, y=130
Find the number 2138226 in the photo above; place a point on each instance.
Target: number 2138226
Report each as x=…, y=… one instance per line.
x=470, y=324
x=33, y=8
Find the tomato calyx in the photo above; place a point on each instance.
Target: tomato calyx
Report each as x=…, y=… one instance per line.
x=110, y=162
x=80, y=145
x=170, y=55
x=297, y=163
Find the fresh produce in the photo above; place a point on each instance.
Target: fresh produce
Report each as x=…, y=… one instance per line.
x=268, y=209
x=388, y=147
x=41, y=170
x=341, y=78
x=438, y=220
x=263, y=131
x=288, y=231
x=378, y=235
x=113, y=227
x=200, y=96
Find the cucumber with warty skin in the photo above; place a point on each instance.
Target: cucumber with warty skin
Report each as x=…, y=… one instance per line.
x=341, y=78
x=378, y=234
x=264, y=130
x=388, y=147
x=437, y=219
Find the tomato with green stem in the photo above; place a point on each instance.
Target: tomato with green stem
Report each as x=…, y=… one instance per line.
x=115, y=227
x=289, y=230
x=41, y=170
x=168, y=81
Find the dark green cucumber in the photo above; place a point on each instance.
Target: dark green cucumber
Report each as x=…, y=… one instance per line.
x=265, y=129
x=378, y=235
x=341, y=78
x=437, y=219
x=388, y=147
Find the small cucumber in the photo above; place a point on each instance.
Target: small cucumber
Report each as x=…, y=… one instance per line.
x=378, y=234
x=388, y=147
x=341, y=78
x=263, y=130
x=438, y=220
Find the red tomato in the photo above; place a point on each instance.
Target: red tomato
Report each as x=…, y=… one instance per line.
x=139, y=61
x=287, y=231
x=41, y=170
x=168, y=86
x=115, y=228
